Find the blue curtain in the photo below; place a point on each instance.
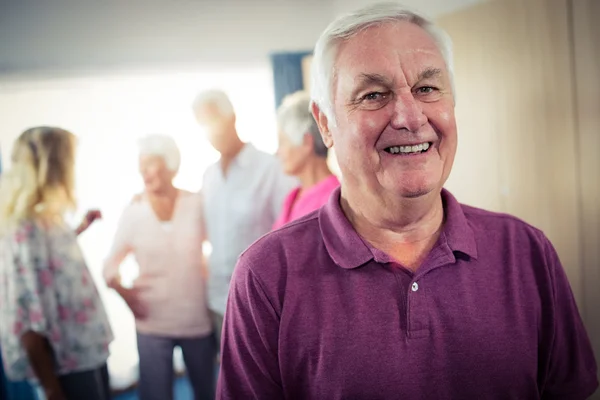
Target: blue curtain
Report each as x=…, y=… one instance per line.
x=287, y=73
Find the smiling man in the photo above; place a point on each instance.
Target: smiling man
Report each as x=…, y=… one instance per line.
x=394, y=289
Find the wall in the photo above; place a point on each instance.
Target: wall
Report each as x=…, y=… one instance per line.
x=529, y=122
x=432, y=8
x=586, y=51
x=518, y=142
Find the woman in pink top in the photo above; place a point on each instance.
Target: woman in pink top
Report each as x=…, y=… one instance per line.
x=303, y=155
x=163, y=229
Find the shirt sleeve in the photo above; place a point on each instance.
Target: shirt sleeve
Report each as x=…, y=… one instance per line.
x=121, y=247
x=30, y=282
x=567, y=355
x=249, y=352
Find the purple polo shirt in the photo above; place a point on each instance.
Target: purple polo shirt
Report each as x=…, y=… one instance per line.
x=314, y=312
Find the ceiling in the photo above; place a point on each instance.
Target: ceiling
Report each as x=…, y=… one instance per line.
x=59, y=36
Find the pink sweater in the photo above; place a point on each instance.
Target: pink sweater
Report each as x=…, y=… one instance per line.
x=169, y=255
x=312, y=199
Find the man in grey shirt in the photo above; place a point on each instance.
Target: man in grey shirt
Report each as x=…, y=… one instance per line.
x=243, y=194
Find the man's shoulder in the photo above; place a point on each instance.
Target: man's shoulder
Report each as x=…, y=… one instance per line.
x=211, y=169
x=285, y=245
x=491, y=222
x=261, y=157
x=210, y=175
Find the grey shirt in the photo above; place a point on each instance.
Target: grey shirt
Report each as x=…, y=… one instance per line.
x=239, y=207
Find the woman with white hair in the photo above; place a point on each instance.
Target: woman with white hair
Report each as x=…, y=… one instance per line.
x=164, y=230
x=54, y=331
x=303, y=155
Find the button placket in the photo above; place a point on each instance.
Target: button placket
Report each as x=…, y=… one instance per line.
x=417, y=313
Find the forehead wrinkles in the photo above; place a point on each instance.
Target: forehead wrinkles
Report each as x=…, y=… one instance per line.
x=396, y=70
x=359, y=56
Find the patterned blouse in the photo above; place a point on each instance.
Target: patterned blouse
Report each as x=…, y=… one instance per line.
x=45, y=287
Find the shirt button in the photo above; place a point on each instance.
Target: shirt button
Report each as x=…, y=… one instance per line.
x=415, y=286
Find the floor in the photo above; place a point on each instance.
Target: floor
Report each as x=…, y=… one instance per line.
x=183, y=391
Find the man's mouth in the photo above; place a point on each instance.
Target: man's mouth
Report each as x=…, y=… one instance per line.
x=408, y=150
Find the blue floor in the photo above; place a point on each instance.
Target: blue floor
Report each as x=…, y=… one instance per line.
x=22, y=391
x=183, y=391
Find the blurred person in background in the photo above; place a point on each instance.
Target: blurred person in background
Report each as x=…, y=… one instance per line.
x=164, y=230
x=303, y=155
x=54, y=331
x=243, y=195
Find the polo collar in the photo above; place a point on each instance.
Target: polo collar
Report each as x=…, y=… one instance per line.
x=244, y=157
x=348, y=250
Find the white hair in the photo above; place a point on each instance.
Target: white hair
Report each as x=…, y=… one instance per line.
x=217, y=98
x=295, y=120
x=323, y=70
x=163, y=146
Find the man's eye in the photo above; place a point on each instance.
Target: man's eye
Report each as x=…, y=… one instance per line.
x=426, y=90
x=375, y=96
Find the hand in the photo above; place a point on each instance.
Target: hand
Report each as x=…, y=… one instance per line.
x=90, y=217
x=132, y=298
x=54, y=392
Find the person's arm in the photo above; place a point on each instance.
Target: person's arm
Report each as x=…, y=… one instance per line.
x=41, y=359
x=567, y=359
x=88, y=220
x=249, y=350
x=121, y=248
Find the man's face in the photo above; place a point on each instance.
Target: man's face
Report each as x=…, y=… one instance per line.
x=393, y=103
x=218, y=128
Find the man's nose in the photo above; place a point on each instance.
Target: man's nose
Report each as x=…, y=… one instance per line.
x=408, y=113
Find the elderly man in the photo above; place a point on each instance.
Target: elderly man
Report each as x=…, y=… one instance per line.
x=394, y=290
x=243, y=195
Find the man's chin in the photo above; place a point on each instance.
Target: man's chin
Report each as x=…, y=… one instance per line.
x=415, y=192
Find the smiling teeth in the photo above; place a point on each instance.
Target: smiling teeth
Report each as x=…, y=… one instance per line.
x=409, y=149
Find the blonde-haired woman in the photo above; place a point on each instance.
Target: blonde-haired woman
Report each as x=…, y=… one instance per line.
x=164, y=229
x=53, y=327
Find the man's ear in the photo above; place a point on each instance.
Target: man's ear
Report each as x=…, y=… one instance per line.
x=323, y=124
